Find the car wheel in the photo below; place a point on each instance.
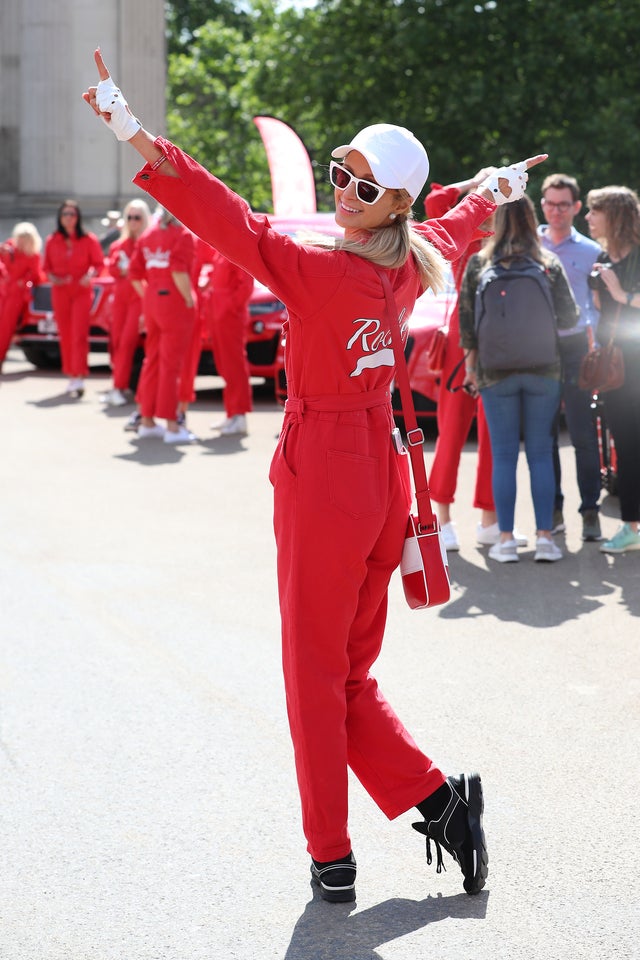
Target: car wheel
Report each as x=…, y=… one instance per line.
x=44, y=356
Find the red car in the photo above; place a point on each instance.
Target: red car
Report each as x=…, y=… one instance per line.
x=37, y=331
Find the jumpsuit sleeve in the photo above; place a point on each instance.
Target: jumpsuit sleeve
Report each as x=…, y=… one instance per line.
x=439, y=200
x=183, y=253
x=452, y=233
x=137, y=265
x=113, y=261
x=96, y=256
x=304, y=278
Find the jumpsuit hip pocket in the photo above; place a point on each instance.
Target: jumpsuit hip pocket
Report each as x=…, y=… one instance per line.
x=354, y=482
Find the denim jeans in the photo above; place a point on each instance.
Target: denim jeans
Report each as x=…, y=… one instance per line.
x=581, y=426
x=523, y=402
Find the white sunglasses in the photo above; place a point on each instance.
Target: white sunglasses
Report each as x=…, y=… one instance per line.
x=366, y=191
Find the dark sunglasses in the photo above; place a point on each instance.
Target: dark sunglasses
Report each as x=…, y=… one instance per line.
x=134, y=216
x=365, y=190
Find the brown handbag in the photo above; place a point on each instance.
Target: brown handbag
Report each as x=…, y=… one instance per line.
x=602, y=368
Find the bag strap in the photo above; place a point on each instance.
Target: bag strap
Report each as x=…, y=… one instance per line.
x=427, y=519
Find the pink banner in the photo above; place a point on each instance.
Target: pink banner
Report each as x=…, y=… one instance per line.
x=292, y=185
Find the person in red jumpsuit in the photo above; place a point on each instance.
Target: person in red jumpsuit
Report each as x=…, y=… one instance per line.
x=231, y=289
x=341, y=497
x=72, y=257
x=126, y=310
x=21, y=269
x=224, y=292
x=163, y=260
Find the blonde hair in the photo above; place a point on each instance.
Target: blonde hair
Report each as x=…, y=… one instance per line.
x=26, y=229
x=391, y=245
x=138, y=206
x=620, y=207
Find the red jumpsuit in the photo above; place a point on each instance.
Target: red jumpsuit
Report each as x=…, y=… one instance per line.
x=159, y=252
x=231, y=289
x=456, y=410
x=68, y=259
x=124, y=335
x=340, y=494
x=19, y=270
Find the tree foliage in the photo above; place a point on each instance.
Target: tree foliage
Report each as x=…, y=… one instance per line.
x=477, y=82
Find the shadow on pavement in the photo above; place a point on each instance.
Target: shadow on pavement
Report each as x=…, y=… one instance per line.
x=330, y=932
x=542, y=594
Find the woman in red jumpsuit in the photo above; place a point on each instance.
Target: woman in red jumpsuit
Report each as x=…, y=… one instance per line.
x=163, y=259
x=20, y=258
x=72, y=257
x=340, y=487
x=126, y=311
x=231, y=289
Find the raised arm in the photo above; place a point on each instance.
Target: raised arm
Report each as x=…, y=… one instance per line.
x=108, y=103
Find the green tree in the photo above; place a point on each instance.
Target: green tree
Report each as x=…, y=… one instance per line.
x=477, y=82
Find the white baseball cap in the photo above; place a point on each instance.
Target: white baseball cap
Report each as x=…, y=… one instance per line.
x=396, y=158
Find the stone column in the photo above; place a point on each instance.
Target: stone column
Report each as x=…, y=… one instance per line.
x=53, y=147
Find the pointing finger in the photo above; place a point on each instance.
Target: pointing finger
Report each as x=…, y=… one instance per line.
x=532, y=161
x=103, y=73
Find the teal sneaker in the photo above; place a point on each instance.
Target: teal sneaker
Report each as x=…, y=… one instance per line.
x=625, y=539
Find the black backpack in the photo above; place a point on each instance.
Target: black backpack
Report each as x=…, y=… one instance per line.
x=515, y=320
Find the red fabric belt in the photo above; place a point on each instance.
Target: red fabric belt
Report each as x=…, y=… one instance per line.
x=337, y=403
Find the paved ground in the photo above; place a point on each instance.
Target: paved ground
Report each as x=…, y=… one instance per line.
x=147, y=801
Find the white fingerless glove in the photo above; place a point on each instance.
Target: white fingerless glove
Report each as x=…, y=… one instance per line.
x=516, y=175
x=110, y=100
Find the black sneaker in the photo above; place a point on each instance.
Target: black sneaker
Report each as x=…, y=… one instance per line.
x=459, y=831
x=336, y=879
x=591, y=531
x=133, y=422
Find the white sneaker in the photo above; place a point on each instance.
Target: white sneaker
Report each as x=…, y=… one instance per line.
x=155, y=431
x=234, y=426
x=506, y=552
x=449, y=536
x=115, y=398
x=487, y=536
x=75, y=387
x=182, y=435
x=547, y=551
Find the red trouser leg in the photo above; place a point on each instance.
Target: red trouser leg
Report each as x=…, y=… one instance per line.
x=186, y=391
x=128, y=339
x=230, y=352
x=455, y=416
x=176, y=326
x=61, y=303
x=79, y=331
x=10, y=309
x=148, y=383
x=340, y=517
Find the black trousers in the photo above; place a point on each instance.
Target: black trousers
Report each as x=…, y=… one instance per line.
x=622, y=410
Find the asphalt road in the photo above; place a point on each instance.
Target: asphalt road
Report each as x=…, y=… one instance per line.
x=148, y=808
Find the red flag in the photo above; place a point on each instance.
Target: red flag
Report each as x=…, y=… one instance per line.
x=292, y=185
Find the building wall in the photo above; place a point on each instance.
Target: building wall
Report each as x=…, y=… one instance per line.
x=51, y=145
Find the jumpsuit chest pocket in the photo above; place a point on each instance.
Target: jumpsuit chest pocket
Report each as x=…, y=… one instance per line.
x=354, y=483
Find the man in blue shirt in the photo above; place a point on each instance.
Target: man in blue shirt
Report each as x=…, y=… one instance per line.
x=560, y=205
